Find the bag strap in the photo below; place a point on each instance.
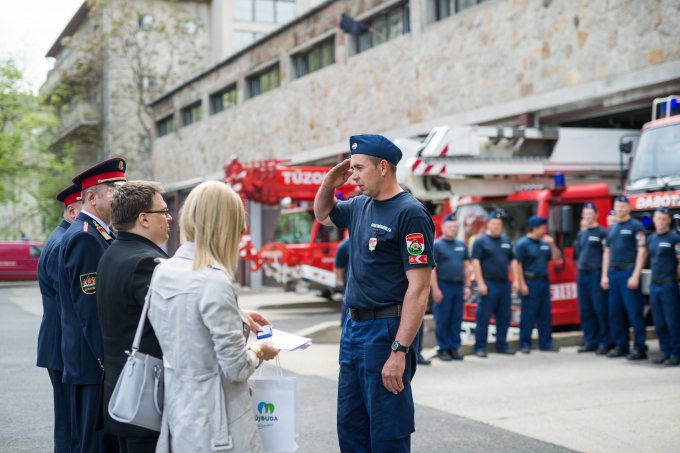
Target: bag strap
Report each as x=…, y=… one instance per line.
x=140, y=327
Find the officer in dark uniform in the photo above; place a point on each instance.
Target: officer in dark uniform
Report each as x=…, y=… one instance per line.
x=664, y=254
x=49, y=336
x=340, y=265
x=534, y=251
x=450, y=287
x=82, y=246
x=622, y=261
x=492, y=260
x=592, y=300
x=391, y=236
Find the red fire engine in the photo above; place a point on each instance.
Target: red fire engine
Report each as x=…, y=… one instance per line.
x=522, y=171
x=654, y=176
x=302, y=250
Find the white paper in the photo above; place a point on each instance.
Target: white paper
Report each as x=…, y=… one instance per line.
x=288, y=341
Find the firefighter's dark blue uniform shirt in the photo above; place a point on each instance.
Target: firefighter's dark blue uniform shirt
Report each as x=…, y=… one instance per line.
x=534, y=256
x=401, y=233
x=588, y=248
x=623, y=240
x=450, y=256
x=663, y=254
x=494, y=255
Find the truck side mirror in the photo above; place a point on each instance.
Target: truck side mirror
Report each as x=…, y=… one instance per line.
x=626, y=143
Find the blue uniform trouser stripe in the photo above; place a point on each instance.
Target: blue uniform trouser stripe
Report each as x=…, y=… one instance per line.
x=536, y=311
x=625, y=306
x=62, y=418
x=84, y=404
x=665, y=302
x=364, y=422
x=593, y=310
x=448, y=315
x=496, y=302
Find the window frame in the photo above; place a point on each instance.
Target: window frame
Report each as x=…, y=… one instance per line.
x=300, y=61
x=186, y=113
x=369, y=39
x=257, y=75
x=219, y=95
x=161, y=131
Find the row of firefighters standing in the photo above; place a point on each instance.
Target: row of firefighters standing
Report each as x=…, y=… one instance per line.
x=609, y=263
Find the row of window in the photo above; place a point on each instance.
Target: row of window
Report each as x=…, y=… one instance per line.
x=380, y=28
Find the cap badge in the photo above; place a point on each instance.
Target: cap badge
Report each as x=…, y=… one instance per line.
x=354, y=146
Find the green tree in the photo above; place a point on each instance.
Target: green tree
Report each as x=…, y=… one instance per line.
x=30, y=174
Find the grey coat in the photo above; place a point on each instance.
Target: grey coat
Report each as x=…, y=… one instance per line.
x=207, y=404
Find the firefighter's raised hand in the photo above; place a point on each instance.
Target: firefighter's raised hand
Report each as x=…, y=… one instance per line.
x=338, y=175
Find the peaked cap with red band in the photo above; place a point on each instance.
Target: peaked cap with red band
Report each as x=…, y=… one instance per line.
x=112, y=170
x=70, y=195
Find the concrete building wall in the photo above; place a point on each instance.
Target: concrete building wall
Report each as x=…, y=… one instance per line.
x=489, y=63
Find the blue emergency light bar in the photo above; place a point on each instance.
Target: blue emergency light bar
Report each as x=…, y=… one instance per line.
x=559, y=181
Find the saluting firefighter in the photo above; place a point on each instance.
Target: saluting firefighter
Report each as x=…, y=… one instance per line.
x=622, y=261
x=83, y=245
x=492, y=260
x=592, y=299
x=49, y=335
x=664, y=254
x=534, y=251
x=388, y=284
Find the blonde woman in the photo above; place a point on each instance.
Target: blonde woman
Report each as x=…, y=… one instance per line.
x=203, y=333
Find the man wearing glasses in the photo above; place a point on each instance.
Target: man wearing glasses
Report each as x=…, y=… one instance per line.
x=141, y=217
x=82, y=246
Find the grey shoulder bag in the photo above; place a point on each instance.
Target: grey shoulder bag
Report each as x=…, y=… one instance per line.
x=138, y=396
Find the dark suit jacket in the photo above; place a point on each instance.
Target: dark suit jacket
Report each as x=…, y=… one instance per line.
x=123, y=278
x=49, y=336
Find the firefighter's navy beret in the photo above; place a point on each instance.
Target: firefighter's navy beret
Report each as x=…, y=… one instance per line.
x=375, y=145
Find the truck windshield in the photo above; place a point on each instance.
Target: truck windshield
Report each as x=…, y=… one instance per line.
x=294, y=227
x=657, y=154
x=472, y=219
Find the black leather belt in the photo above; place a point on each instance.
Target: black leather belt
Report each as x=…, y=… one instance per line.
x=358, y=314
x=536, y=277
x=623, y=267
x=589, y=271
x=663, y=281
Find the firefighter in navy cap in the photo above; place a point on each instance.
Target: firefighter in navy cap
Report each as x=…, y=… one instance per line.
x=492, y=260
x=624, y=255
x=82, y=246
x=391, y=236
x=49, y=335
x=450, y=287
x=592, y=300
x=664, y=255
x=534, y=251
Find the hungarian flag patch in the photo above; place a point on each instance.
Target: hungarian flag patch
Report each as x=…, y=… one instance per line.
x=415, y=243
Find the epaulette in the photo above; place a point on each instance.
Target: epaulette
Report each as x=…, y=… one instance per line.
x=85, y=226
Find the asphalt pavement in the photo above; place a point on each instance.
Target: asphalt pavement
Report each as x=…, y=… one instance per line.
x=542, y=402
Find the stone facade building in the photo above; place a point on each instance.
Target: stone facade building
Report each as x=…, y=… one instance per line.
x=423, y=63
x=114, y=56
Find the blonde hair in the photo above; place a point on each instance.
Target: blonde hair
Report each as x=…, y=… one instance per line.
x=213, y=218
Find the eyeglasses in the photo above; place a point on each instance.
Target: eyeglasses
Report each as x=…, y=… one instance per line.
x=165, y=212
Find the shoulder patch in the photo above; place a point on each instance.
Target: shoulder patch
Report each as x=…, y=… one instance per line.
x=417, y=259
x=641, y=238
x=415, y=244
x=86, y=226
x=88, y=282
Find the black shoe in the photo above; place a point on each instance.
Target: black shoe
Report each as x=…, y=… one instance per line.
x=617, y=352
x=585, y=348
x=673, y=361
x=602, y=351
x=481, y=353
x=637, y=355
x=550, y=349
x=444, y=355
x=455, y=355
x=423, y=361
x=660, y=360
x=525, y=350
x=507, y=351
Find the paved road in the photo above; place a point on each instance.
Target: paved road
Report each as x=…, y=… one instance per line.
x=537, y=403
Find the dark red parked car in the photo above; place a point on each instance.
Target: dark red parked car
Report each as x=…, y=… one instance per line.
x=19, y=260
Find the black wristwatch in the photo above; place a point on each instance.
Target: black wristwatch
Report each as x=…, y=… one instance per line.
x=398, y=347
